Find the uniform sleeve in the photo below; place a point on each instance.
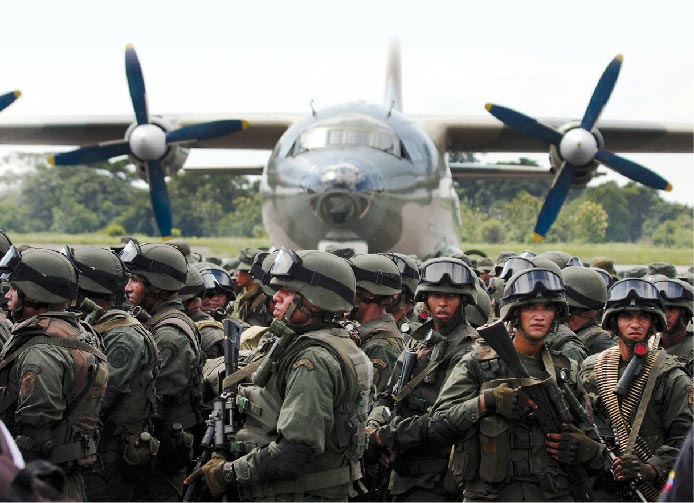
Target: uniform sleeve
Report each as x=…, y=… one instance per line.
x=125, y=351
x=383, y=357
x=458, y=400
x=175, y=360
x=211, y=342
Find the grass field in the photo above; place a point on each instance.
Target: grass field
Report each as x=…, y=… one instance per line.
x=622, y=253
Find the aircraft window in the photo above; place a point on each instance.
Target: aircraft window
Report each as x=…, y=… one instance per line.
x=341, y=135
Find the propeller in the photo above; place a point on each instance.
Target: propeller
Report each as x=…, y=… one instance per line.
x=577, y=147
x=148, y=143
x=7, y=99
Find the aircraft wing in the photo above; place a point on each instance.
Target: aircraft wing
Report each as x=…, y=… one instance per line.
x=476, y=171
x=226, y=170
x=486, y=134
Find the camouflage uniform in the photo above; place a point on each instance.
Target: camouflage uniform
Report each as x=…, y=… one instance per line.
x=382, y=343
x=563, y=340
x=684, y=351
x=595, y=338
x=211, y=334
x=250, y=307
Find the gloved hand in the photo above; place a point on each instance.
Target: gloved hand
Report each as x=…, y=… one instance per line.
x=441, y=433
x=218, y=479
x=630, y=467
x=571, y=446
x=506, y=401
x=376, y=449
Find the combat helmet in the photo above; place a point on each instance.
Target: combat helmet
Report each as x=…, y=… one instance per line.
x=260, y=270
x=194, y=287
x=377, y=274
x=531, y=286
x=163, y=266
x=246, y=256
x=100, y=270
x=215, y=277
x=676, y=293
x=478, y=314
x=447, y=275
x=40, y=274
x=5, y=243
x=585, y=288
x=514, y=265
x=634, y=294
x=409, y=272
x=324, y=279
x=561, y=258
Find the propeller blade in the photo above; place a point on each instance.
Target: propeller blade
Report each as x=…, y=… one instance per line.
x=632, y=170
x=205, y=130
x=554, y=201
x=159, y=195
x=524, y=124
x=136, y=83
x=602, y=93
x=91, y=153
x=7, y=99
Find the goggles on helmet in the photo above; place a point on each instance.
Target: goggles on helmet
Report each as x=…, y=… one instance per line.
x=574, y=261
x=214, y=279
x=527, y=254
x=633, y=288
x=257, y=270
x=671, y=290
x=406, y=271
x=379, y=278
x=106, y=279
x=457, y=274
x=515, y=265
x=607, y=279
x=133, y=259
x=13, y=269
x=289, y=265
x=533, y=281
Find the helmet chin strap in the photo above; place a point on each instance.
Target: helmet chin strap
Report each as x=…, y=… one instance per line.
x=297, y=305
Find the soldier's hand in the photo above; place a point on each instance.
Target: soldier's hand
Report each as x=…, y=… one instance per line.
x=509, y=402
x=376, y=451
x=630, y=467
x=571, y=446
x=217, y=480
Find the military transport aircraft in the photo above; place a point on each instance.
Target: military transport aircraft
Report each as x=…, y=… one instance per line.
x=358, y=174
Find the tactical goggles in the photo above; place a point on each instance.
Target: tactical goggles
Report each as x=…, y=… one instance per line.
x=574, y=261
x=406, y=271
x=257, y=270
x=457, y=274
x=671, y=290
x=527, y=254
x=13, y=269
x=379, y=278
x=633, y=288
x=134, y=260
x=106, y=279
x=533, y=281
x=289, y=265
x=515, y=265
x=607, y=279
x=214, y=279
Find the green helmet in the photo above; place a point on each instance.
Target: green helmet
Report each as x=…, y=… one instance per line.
x=561, y=258
x=246, y=256
x=478, y=314
x=377, y=274
x=215, y=277
x=409, y=271
x=324, y=279
x=447, y=275
x=634, y=294
x=585, y=289
x=5, y=243
x=100, y=270
x=664, y=268
x=531, y=286
x=181, y=245
x=260, y=270
x=231, y=264
x=546, y=263
x=163, y=266
x=40, y=274
x=194, y=287
x=676, y=293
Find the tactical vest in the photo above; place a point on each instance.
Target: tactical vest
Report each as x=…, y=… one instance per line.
x=131, y=413
x=339, y=463
x=75, y=436
x=210, y=342
x=595, y=338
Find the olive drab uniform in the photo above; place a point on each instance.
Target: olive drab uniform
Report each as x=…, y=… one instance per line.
x=122, y=461
x=423, y=467
x=407, y=328
x=250, y=307
x=563, y=340
x=53, y=377
x=497, y=458
x=382, y=342
x=211, y=334
x=668, y=413
x=319, y=396
x=684, y=351
x=595, y=338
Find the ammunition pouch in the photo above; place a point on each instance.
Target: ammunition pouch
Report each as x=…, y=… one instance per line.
x=139, y=456
x=175, y=452
x=495, y=448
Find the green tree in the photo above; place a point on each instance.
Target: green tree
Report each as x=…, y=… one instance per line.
x=520, y=215
x=245, y=219
x=615, y=203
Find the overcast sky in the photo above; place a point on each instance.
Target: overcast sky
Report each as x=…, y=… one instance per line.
x=540, y=57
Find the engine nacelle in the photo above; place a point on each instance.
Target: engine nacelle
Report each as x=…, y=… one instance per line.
x=584, y=173
x=174, y=157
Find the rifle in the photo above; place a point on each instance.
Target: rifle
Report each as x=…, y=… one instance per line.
x=222, y=423
x=552, y=410
x=284, y=337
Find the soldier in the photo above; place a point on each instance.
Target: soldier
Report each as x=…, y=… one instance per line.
x=157, y=273
x=607, y=265
x=678, y=338
x=378, y=280
x=641, y=399
x=211, y=330
x=5, y=324
x=586, y=294
x=250, y=305
x=503, y=452
x=485, y=269
x=219, y=289
x=402, y=307
x=306, y=440
x=132, y=362
x=447, y=285
x=479, y=313
x=664, y=268
x=53, y=373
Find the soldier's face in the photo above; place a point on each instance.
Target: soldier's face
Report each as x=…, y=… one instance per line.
x=443, y=306
x=135, y=290
x=212, y=300
x=13, y=300
x=672, y=315
x=244, y=279
x=283, y=299
x=486, y=276
x=634, y=325
x=536, y=319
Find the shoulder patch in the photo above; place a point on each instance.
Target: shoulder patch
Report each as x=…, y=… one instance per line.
x=28, y=381
x=304, y=362
x=379, y=362
x=690, y=392
x=166, y=353
x=119, y=356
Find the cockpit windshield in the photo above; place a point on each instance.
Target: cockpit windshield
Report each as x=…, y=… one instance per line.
x=361, y=130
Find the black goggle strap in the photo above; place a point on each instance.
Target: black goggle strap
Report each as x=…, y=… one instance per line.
x=405, y=269
x=317, y=279
x=579, y=297
x=56, y=285
x=140, y=263
x=457, y=274
x=670, y=290
x=635, y=289
x=195, y=290
x=606, y=278
x=106, y=279
x=379, y=278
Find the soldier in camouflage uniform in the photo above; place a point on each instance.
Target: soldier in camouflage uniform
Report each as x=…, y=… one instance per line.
x=304, y=430
x=402, y=307
x=480, y=312
x=219, y=289
x=211, y=330
x=635, y=312
x=5, y=324
x=678, y=338
x=378, y=280
x=53, y=373
x=447, y=285
x=157, y=273
x=586, y=294
x=132, y=364
x=250, y=305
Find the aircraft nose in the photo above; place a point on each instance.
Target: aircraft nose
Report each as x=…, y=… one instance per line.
x=336, y=207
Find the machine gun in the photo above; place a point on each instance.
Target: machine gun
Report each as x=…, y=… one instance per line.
x=632, y=371
x=223, y=421
x=552, y=410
